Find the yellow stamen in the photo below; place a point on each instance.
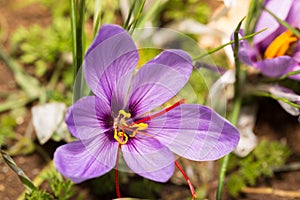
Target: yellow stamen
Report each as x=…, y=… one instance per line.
x=139, y=126
x=125, y=114
x=121, y=137
x=281, y=45
x=121, y=125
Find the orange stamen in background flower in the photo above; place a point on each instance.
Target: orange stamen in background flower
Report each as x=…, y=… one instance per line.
x=194, y=195
x=281, y=45
x=161, y=112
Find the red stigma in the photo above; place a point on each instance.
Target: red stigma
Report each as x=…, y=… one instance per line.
x=161, y=112
x=194, y=195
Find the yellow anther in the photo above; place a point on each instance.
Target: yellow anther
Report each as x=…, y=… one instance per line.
x=125, y=114
x=122, y=117
x=121, y=137
x=131, y=130
x=139, y=127
x=281, y=45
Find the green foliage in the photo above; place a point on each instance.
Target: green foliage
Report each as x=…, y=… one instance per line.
x=21, y=174
x=131, y=186
x=199, y=88
x=47, y=49
x=56, y=7
x=147, y=54
x=38, y=195
x=60, y=188
x=40, y=46
x=235, y=184
x=260, y=162
x=7, y=125
x=104, y=184
x=201, y=192
x=178, y=10
x=145, y=188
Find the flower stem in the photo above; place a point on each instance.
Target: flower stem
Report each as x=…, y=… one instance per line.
x=254, y=11
x=237, y=103
x=117, y=174
x=136, y=10
x=194, y=195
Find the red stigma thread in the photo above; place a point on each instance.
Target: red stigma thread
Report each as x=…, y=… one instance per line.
x=194, y=195
x=161, y=112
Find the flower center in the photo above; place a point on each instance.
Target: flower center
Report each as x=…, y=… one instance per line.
x=122, y=130
x=282, y=45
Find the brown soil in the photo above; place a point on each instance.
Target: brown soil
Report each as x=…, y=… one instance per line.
x=272, y=123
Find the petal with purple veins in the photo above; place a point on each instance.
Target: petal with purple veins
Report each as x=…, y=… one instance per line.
x=293, y=17
x=111, y=56
x=159, y=80
x=147, y=157
x=82, y=160
x=194, y=132
x=88, y=117
x=281, y=9
x=276, y=67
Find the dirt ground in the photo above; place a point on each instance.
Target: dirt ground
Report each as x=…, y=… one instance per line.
x=272, y=123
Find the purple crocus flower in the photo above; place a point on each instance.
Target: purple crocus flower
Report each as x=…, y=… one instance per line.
x=118, y=119
x=275, y=51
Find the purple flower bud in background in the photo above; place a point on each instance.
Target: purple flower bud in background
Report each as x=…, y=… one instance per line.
x=275, y=51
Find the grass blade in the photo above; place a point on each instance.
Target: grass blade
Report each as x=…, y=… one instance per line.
x=22, y=176
x=237, y=102
x=226, y=44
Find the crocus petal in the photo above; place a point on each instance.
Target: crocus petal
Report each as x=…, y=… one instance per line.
x=147, y=157
x=194, y=132
x=82, y=160
x=159, y=80
x=293, y=17
x=290, y=109
x=284, y=92
x=112, y=56
x=247, y=54
x=46, y=119
x=281, y=9
x=276, y=67
x=88, y=117
x=296, y=56
x=297, y=76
